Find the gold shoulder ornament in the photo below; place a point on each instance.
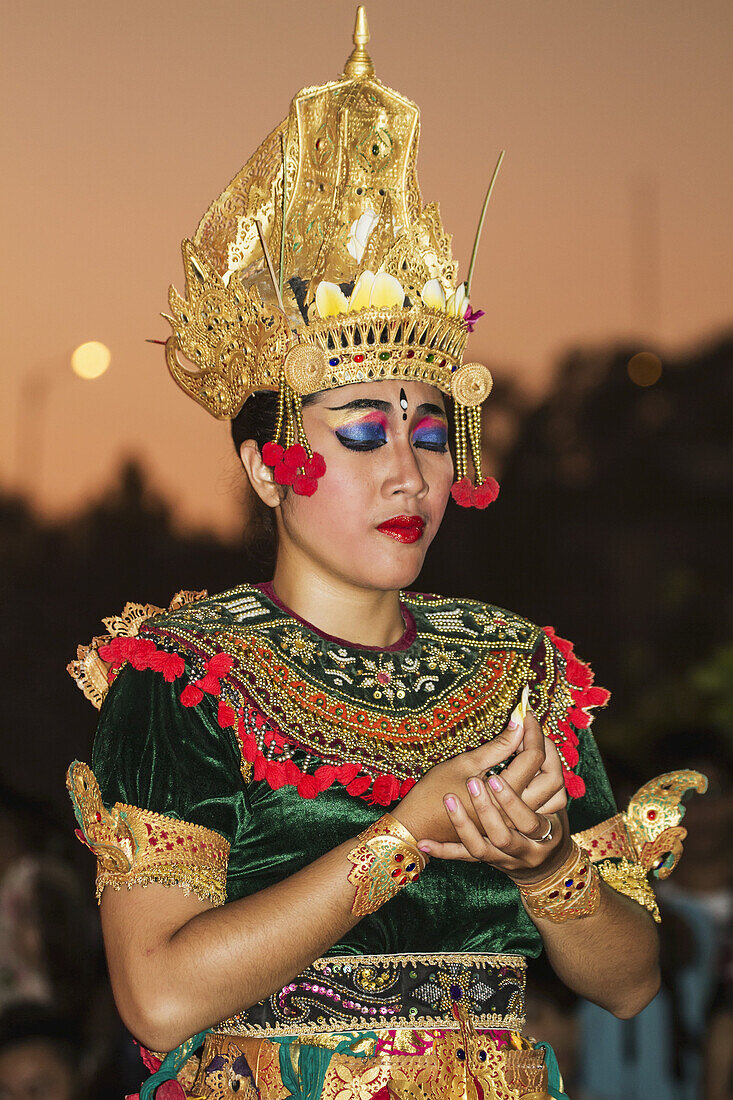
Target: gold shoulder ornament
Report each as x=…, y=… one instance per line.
x=90, y=671
x=645, y=839
x=318, y=266
x=135, y=847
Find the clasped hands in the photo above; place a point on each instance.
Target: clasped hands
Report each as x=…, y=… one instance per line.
x=457, y=811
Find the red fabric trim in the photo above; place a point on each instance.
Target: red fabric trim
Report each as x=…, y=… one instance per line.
x=381, y=790
x=586, y=696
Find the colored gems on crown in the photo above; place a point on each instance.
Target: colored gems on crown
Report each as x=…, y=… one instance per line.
x=319, y=266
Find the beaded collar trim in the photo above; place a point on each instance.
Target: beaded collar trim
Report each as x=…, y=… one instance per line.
x=310, y=711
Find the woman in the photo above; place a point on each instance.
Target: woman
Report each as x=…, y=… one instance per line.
x=250, y=743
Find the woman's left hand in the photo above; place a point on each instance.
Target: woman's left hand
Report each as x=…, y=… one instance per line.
x=510, y=831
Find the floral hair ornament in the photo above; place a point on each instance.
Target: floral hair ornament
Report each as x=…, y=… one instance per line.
x=366, y=287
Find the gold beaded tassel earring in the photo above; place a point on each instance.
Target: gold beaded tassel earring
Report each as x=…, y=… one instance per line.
x=471, y=385
x=290, y=454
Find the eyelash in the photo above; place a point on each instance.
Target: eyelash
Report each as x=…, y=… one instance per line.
x=439, y=448
x=360, y=444
x=374, y=444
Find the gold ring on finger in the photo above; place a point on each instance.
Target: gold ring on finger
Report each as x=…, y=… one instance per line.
x=548, y=834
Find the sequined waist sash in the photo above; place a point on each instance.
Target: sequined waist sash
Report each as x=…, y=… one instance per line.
x=363, y=992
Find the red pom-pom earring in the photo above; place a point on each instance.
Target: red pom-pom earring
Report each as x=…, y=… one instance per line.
x=293, y=466
x=468, y=495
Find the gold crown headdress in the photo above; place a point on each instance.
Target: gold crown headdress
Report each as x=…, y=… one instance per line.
x=366, y=286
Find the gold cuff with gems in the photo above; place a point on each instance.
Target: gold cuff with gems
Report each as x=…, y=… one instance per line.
x=570, y=893
x=385, y=859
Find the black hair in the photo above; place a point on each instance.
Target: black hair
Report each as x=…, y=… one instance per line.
x=257, y=420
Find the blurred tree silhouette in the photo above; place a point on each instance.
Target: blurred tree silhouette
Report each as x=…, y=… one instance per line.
x=614, y=523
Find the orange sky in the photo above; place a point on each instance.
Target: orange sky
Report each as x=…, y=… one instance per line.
x=122, y=122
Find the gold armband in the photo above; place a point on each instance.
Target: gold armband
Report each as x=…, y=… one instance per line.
x=385, y=859
x=135, y=847
x=570, y=893
x=644, y=840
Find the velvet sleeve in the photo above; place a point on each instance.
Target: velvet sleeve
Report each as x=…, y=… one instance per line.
x=152, y=752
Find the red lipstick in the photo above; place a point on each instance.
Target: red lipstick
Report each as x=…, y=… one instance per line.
x=403, y=528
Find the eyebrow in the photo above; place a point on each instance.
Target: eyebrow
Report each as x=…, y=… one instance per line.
x=383, y=406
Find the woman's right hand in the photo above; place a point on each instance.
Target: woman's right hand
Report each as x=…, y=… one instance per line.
x=422, y=810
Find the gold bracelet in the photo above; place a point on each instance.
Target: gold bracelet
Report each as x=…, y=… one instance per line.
x=570, y=893
x=385, y=859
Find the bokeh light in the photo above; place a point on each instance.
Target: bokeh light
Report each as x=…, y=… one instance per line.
x=644, y=368
x=90, y=360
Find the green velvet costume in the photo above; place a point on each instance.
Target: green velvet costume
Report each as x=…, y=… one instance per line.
x=151, y=751
x=237, y=744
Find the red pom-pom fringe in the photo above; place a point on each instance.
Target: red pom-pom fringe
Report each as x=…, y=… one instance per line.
x=585, y=696
x=292, y=466
x=468, y=495
x=380, y=790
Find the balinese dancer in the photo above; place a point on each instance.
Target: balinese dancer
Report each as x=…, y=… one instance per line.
x=334, y=818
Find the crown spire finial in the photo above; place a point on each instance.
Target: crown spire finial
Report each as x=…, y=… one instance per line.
x=360, y=64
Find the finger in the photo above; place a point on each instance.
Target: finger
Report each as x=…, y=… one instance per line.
x=541, y=789
x=554, y=805
x=546, y=791
x=449, y=850
x=465, y=828
x=530, y=759
x=494, y=751
x=525, y=821
x=497, y=830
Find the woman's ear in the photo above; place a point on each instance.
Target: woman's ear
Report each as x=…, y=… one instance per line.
x=260, y=476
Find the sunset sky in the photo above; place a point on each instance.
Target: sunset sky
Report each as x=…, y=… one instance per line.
x=612, y=215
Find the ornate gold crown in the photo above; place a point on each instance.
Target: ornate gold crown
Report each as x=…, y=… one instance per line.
x=365, y=287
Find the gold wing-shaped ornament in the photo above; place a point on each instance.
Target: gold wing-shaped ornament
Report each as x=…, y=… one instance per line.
x=105, y=832
x=653, y=819
x=235, y=343
x=645, y=839
x=89, y=671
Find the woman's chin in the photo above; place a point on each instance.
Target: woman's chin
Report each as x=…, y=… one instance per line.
x=393, y=568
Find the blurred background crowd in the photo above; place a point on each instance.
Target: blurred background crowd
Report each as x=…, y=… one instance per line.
x=609, y=237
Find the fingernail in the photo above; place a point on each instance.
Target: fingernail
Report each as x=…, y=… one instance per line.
x=495, y=783
x=474, y=787
x=450, y=803
x=424, y=848
x=513, y=724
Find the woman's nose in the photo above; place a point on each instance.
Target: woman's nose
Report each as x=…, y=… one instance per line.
x=406, y=476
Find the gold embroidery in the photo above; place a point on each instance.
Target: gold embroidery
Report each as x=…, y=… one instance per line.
x=629, y=878
x=135, y=847
x=426, y=1066
x=89, y=670
x=465, y=958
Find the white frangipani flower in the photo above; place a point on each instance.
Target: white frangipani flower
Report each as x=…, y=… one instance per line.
x=330, y=300
x=520, y=711
x=361, y=294
x=458, y=302
x=386, y=292
x=433, y=294
x=360, y=232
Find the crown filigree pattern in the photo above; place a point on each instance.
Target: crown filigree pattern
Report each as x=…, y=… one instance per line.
x=331, y=194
